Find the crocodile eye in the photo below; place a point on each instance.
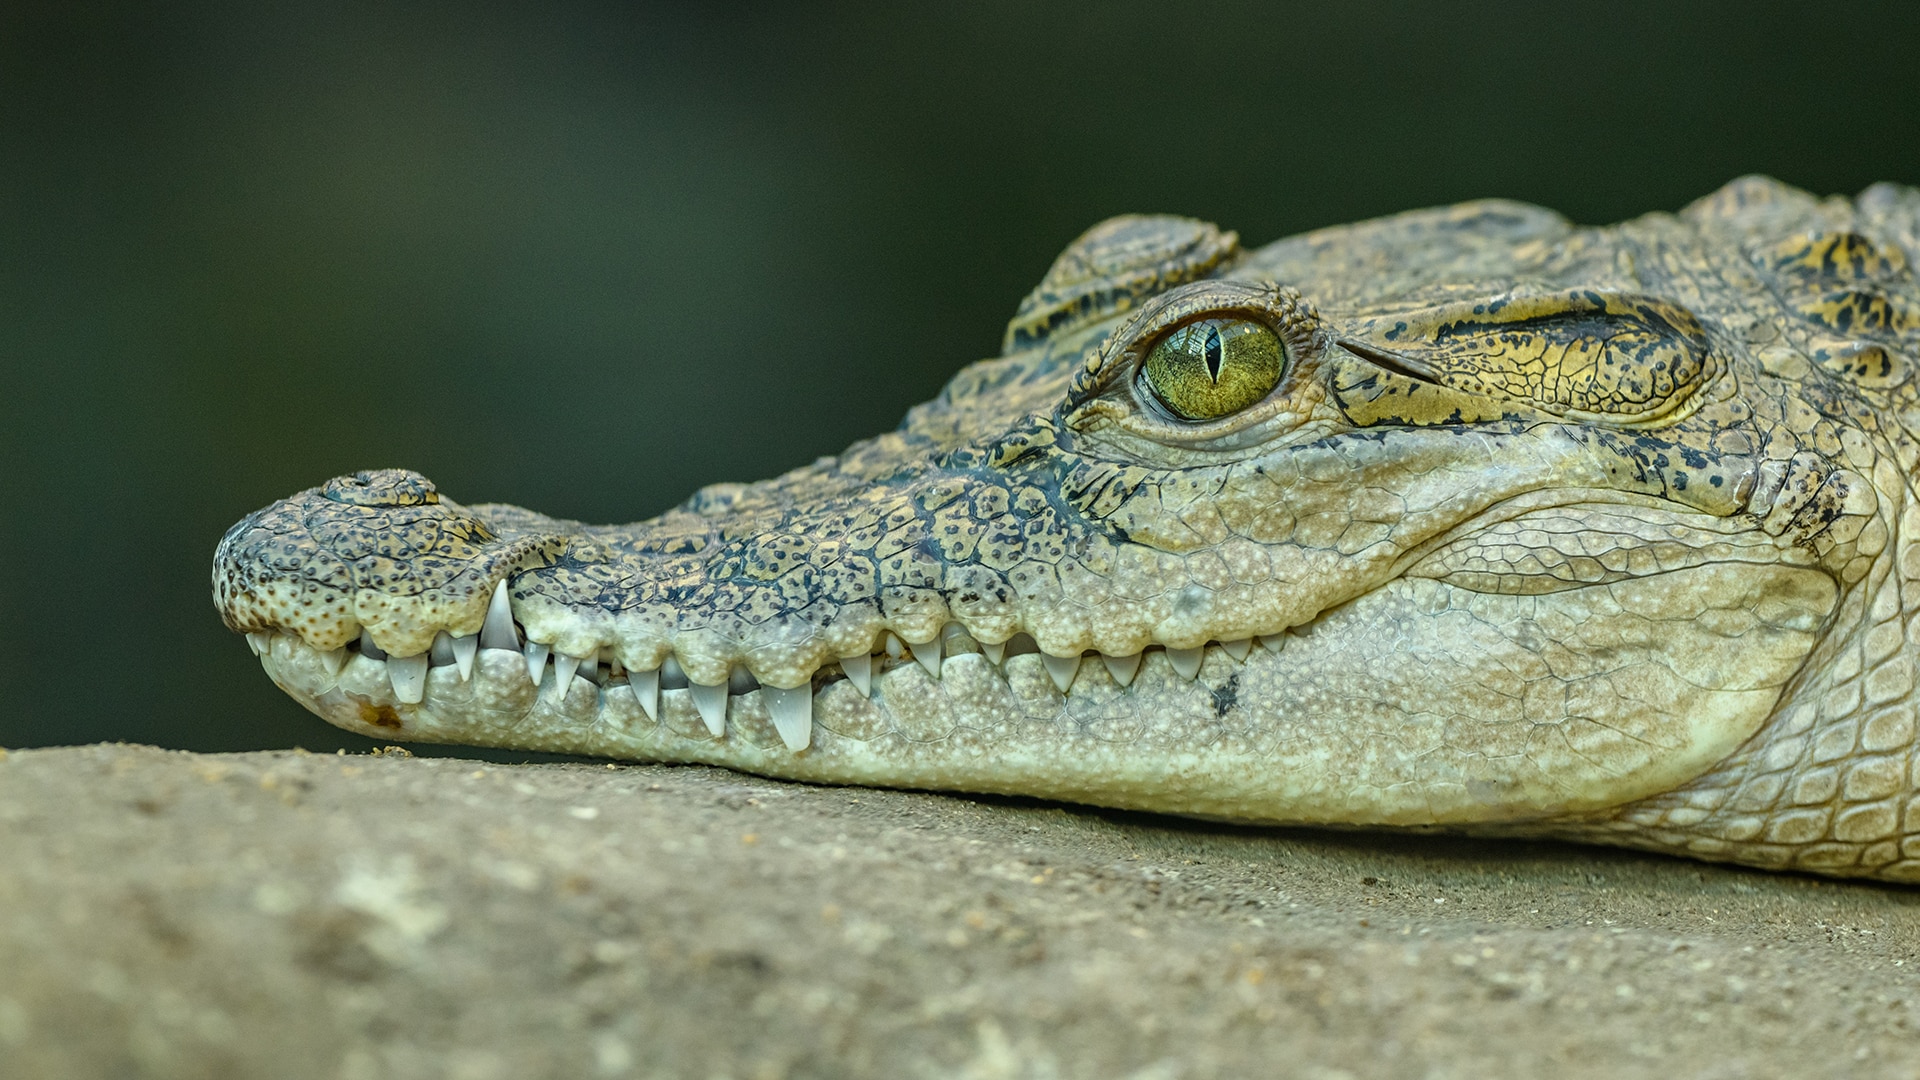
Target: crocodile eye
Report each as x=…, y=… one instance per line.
x=1214, y=367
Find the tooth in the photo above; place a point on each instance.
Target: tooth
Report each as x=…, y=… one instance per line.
x=712, y=703
x=464, y=650
x=1273, y=643
x=498, y=632
x=646, y=687
x=536, y=661
x=1122, y=668
x=741, y=681
x=895, y=647
x=1238, y=649
x=995, y=652
x=563, y=668
x=440, y=653
x=955, y=639
x=1062, y=669
x=859, y=671
x=792, y=712
x=333, y=660
x=260, y=641
x=671, y=676
x=1187, y=661
x=408, y=674
x=367, y=648
x=929, y=656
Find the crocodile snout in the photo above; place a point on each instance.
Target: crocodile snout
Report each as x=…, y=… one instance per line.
x=378, y=553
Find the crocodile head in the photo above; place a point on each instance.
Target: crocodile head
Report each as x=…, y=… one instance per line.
x=1464, y=517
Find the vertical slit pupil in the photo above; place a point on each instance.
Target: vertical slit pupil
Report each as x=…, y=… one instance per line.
x=1213, y=353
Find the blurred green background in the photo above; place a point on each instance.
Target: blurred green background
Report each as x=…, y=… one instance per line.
x=587, y=258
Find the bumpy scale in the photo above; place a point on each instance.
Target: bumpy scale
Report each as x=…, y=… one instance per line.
x=1595, y=533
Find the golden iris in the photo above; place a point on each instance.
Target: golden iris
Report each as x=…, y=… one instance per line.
x=1213, y=367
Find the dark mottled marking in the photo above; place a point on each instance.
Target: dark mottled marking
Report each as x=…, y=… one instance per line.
x=1225, y=697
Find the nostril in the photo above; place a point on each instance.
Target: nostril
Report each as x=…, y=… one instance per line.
x=382, y=487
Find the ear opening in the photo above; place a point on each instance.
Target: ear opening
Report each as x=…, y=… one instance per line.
x=1586, y=354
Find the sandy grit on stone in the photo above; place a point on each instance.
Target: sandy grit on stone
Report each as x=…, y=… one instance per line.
x=165, y=914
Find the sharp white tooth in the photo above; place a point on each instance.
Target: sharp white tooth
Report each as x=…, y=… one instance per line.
x=1062, y=669
x=464, y=650
x=995, y=652
x=792, y=712
x=859, y=671
x=260, y=641
x=1238, y=649
x=537, y=660
x=368, y=649
x=646, y=688
x=333, y=660
x=712, y=703
x=440, y=653
x=895, y=647
x=671, y=677
x=929, y=656
x=741, y=681
x=498, y=632
x=1187, y=661
x=408, y=674
x=563, y=668
x=1273, y=643
x=1122, y=668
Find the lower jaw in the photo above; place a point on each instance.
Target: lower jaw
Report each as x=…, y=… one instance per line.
x=1004, y=728
x=1381, y=714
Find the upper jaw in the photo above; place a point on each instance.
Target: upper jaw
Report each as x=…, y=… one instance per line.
x=788, y=577
x=737, y=589
x=384, y=607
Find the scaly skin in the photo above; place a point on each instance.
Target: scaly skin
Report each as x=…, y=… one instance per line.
x=1592, y=533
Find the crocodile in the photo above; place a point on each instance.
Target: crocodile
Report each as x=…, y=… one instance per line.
x=1464, y=519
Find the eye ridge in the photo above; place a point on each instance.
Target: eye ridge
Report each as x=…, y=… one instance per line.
x=1213, y=366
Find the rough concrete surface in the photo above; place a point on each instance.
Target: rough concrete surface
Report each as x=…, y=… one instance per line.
x=166, y=914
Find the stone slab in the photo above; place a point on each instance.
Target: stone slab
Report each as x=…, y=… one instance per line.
x=168, y=914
